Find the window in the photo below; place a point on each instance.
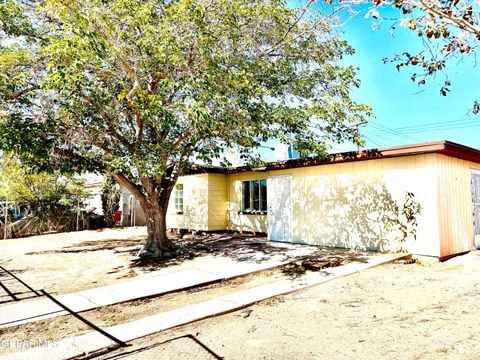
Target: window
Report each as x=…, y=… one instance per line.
x=254, y=197
x=178, y=198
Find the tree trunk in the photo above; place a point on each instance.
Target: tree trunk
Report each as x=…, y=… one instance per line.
x=154, y=204
x=157, y=242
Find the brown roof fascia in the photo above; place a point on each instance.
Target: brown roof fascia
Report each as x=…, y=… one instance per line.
x=444, y=147
x=351, y=156
x=461, y=152
x=198, y=169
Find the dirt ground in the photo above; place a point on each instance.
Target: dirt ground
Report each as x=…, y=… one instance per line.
x=75, y=261
x=71, y=256
x=67, y=262
x=427, y=310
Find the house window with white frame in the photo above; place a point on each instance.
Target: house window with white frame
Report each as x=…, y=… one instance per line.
x=178, y=198
x=254, y=197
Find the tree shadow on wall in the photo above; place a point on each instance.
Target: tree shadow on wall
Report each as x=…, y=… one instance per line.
x=360, y=214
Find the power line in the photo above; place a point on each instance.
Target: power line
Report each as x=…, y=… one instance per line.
x=444, y=125
x=374, y=142
x=383, y=140
x=438, y=123
x=440, y=128
x=384, y=129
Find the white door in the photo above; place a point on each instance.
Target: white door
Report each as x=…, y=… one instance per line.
x=476, y=206
x=279, y=199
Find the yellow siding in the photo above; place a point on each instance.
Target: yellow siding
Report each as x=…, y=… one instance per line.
x=195, y=204
x=353, y=204
x=217, y=202
x=204, y=203
x=236, y=221
x=455, y=205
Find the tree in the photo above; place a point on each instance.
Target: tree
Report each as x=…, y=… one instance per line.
x=140, y=89
x=49, y=201
x=449, y=29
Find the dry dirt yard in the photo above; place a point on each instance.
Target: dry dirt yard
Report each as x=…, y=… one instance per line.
x=67, y=262
x=75, y=261
x=427, y=310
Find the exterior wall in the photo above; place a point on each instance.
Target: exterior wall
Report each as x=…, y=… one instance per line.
x=127, y=201
x=455, y=204
x=195, y=204
x=94, y=202
x=140, y=218
x=243, y=222
x=204, y=203
x=353, y=205
x=217, y=202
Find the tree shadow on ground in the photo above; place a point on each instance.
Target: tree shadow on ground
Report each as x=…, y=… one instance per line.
x=250, y=248
x=238, y=247
x=130, y=245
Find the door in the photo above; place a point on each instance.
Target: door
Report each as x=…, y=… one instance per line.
x=279, y=198
x=476, y=206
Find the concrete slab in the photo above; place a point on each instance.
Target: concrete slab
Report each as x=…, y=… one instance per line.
x=94, y=341
x=201, y=271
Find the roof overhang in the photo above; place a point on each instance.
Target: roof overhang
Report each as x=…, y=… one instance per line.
x=443, y=147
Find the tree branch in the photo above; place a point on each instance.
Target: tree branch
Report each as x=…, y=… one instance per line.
x=109, y=121
x=130, y=186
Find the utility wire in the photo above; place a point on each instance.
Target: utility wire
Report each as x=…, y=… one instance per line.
x=387, y=137
x=444, y=125
x=384, y=129
x=383, y=140
x=372, y=141
x=441, y=128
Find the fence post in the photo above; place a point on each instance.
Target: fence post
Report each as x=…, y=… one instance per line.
x=5, y=211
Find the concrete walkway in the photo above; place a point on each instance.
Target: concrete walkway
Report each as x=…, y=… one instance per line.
x=200, y=271
x=94, y=341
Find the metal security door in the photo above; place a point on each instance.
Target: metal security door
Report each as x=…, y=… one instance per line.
x=476, y=206
x=279, y=198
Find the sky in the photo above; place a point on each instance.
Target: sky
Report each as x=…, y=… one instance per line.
x=404, y=112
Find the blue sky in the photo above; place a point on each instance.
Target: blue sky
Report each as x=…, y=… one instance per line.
x=404, y=111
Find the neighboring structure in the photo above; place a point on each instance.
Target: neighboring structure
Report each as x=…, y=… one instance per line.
x=352, y=200
x=132, y=213
x=93, y=184
x=285, y=152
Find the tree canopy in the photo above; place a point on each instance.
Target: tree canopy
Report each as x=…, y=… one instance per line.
x=141, y=88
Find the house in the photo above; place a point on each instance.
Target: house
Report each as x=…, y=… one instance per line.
x=129, y=207
x=131, y=211
x=93, y=187
x=367, y=200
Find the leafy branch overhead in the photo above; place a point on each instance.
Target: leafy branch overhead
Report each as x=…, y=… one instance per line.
x=141, y=88
x=450, y=29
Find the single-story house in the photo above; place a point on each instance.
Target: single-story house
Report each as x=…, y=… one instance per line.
x=423, y=198
x=93, y=186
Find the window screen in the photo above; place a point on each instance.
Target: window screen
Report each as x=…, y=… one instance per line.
x=179, y=197
x=254, y=196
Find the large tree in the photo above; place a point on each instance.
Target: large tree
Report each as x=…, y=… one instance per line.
x=140, y=89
